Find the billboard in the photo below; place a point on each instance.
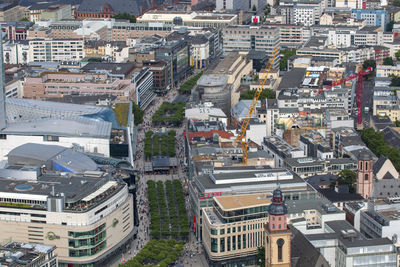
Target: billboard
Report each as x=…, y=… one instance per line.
x=255, y=19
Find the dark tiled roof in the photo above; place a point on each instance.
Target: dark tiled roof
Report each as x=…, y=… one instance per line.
x=378, y=165
x=133, y=7
x=303, y=253
x=391, y=137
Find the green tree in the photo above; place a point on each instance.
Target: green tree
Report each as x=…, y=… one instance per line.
x=388, y=61
x=347, y=177
x=265, y=94
x=389, y=26
x=127, y=16
x=397, y=123
x=370, y=63
x=25, y=19
x=261, y=256
x=377, y=144
x=397, y=54
x=396, y=2
x=395, y=81
x=137, y=114
x=254, y=8
x=286, y=55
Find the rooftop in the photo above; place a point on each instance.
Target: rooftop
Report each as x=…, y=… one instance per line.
x=16, y=254
x=257, y=180
x=242, y=201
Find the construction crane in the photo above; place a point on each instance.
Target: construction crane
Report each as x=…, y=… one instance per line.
x=241, y=138
x=359, y=75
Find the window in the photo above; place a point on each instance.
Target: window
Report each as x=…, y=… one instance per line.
x=214, y=231
x=214, y=245
x=51, y=138
x=3, y=136
x=366, y=165
x=366, y=177
x=233, y=242
x=280, y=243
x=222, y=231
x=228, y=245
x=222, y=244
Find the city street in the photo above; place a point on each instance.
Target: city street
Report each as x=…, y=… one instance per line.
x=192, y=254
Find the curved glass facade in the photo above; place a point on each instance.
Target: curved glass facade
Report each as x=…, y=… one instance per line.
x=87, y=243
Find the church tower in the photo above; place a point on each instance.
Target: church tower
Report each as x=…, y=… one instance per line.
x=365, y=175
x=277, y=234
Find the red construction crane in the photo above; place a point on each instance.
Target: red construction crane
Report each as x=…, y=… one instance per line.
x=359, y=75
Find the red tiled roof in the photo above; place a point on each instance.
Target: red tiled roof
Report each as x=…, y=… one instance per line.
x=209, y=134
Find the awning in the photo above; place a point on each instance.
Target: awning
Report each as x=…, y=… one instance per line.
x=99, y=191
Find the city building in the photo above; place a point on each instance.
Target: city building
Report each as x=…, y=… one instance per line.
x=16, y=52
x=280, y=150
x=306, y=166
x=314, y=145
x=378, y=17
x=192, y=18
x=41, y=50
x=59, y=197
x=177, y=54
x=11, y=11
x=239, y=180
x=234, y=226
x=233, y=5
x=342, y=245
x=29, y=254
x=108, y=9
x=206, y=112
x=380, y=219
x=246, y=37
x=15, y=30
x=335, y=118
x=58, y=84
x=49, y=11
x=92, y=129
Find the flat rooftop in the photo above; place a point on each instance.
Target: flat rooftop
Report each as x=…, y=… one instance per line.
x=242, y=201
x=240, y=182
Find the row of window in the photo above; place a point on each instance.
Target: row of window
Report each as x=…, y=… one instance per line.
x=238, y=242
x=238, y=229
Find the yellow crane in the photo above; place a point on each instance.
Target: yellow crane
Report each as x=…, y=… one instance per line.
x=241, y=138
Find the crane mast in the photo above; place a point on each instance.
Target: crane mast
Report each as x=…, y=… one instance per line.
x=241, y=138
x=359, y=75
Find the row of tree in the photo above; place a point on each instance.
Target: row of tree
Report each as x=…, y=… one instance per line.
x=377, y=144
x=168, y=212
x=170, y=114
x=160, y=253
x=187, y=87
x=265, y=94
x=159, y=144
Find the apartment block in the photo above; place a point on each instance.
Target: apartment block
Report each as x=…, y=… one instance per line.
x=55, y=50
x=245, y=38
x=379, y=17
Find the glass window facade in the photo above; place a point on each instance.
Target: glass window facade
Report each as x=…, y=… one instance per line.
x=214, y=244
